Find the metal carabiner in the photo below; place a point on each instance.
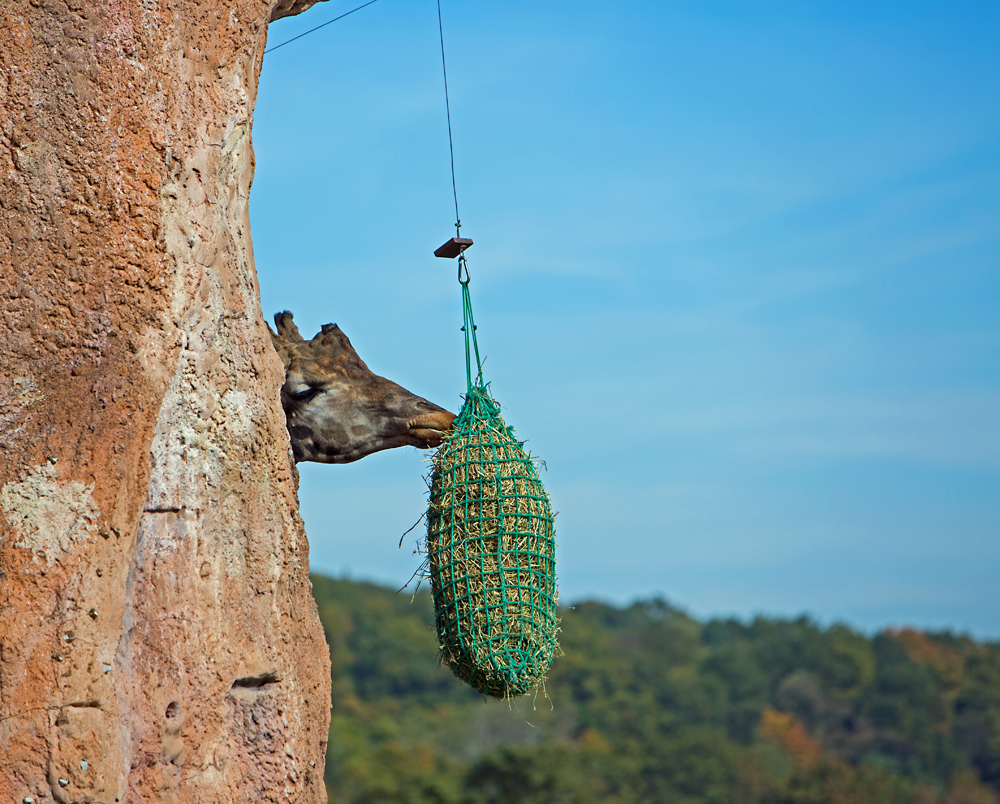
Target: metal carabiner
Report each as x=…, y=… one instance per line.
x=463, y=266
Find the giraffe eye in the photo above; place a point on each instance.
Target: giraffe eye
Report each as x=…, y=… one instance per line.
x=306, y=394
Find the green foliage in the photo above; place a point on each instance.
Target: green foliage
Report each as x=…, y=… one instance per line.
x=650, y=705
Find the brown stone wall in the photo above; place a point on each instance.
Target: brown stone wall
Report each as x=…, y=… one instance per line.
x=158, y=639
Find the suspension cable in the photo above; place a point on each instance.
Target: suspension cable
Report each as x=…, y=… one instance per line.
x=447, y=108
x=328, y=22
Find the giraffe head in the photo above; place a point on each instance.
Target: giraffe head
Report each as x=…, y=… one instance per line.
x=337, y=410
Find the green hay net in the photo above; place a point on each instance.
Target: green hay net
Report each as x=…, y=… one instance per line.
x=491, y=548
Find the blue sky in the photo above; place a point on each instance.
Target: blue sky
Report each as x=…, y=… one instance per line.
x=737, y=275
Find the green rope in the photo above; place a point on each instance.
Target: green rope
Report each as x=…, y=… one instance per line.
x=490, y=544
x=469, y=328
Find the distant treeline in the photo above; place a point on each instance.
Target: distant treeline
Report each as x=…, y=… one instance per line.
x=650, y=705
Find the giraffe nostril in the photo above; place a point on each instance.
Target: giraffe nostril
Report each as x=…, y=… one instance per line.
x=430, y=407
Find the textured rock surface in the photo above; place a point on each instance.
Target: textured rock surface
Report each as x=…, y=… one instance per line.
x=158, y=640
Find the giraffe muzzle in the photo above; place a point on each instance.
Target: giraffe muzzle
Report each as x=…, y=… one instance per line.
x=431, y=429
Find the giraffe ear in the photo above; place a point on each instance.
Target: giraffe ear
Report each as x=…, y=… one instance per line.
x=286, y=326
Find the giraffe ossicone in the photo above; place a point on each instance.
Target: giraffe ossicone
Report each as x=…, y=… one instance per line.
x=337, y=410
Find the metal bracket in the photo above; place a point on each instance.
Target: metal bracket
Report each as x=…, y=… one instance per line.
x=453, y=247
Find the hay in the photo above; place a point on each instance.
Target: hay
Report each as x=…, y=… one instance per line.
x=491, y=555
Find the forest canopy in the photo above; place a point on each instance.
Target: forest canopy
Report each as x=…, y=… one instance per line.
x=648, y=704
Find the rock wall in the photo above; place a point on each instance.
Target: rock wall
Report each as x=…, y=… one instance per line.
x=158, y=638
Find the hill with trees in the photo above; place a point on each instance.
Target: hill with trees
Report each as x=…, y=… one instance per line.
x=650, y=705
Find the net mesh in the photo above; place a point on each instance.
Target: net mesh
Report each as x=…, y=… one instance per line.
x=491, y=554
